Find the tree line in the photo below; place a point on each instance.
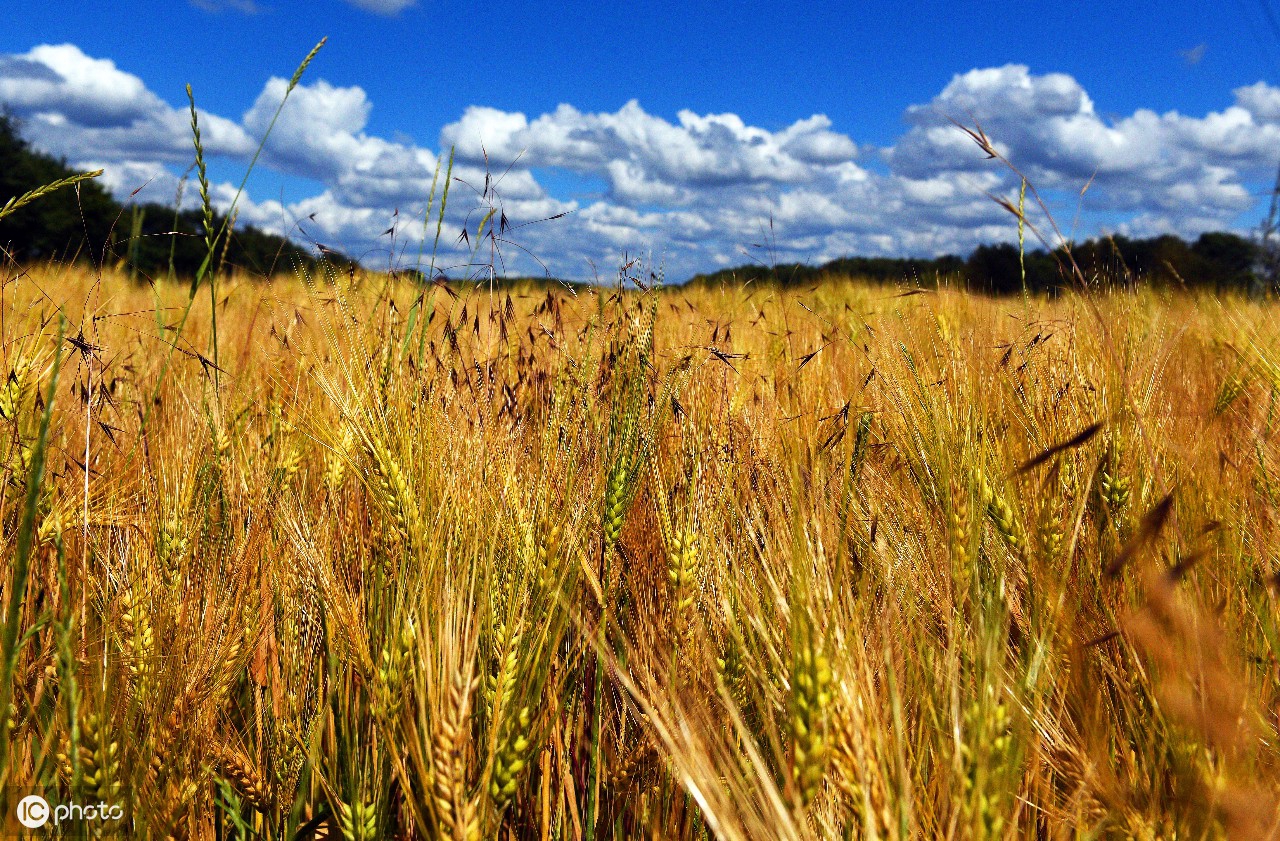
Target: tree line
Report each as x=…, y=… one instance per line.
x=149, y=240
x=1219, y=261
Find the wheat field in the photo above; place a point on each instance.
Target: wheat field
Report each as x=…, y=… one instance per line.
x=532, y=562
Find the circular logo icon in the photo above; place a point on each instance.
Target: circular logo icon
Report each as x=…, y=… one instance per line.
x=33, y=811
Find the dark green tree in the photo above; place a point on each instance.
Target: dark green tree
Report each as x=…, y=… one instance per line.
x=89, y=225
x=71, y=223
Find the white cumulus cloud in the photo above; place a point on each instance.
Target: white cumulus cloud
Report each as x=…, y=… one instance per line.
x=645, y=157
x=1048, y=126
x=74, y=105
x=695, y=190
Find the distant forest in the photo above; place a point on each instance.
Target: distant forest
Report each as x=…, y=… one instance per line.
x=1218, y=261
x=97, y=228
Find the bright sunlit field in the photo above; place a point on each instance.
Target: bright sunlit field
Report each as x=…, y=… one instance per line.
x=531, y=562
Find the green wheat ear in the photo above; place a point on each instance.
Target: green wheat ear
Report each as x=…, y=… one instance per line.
x=26, y=198
x=302, y=68
x=1022, y=238
x=211, y=239
x=202, y=174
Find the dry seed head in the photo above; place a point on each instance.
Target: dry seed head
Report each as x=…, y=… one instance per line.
x=987, y=748
x=733, y=672
x=1054, y=511
x=810, y=700
x=222, y=443
x=228, y=670
x=63, y=757
x=393, y=667
x=23, y=451
x=501, y=683
x=857, y=774
x=171, y=542
x=682, y=565
x=393, y=492
x=14, y=392
x=335, y=460
x=1001, y=514
x=548, y=553
x=51, y=527
x=682, y=568
x=168, y=815
x=290, y=461
x=138, y=644
x=959, y=528
x=166, y=735
x=244, y=777
x=99, y=758
x=945, y=332
x=291, y=743
x=1050, y=535
x=1232, y=387
x=18, y=390
x=457, y=814
x=17, y=405
x=1113, y=485
x=626, y=769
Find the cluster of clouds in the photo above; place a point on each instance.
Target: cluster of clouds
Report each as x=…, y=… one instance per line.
x=699, y=192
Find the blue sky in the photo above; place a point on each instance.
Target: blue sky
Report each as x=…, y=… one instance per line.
x=677, y=129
